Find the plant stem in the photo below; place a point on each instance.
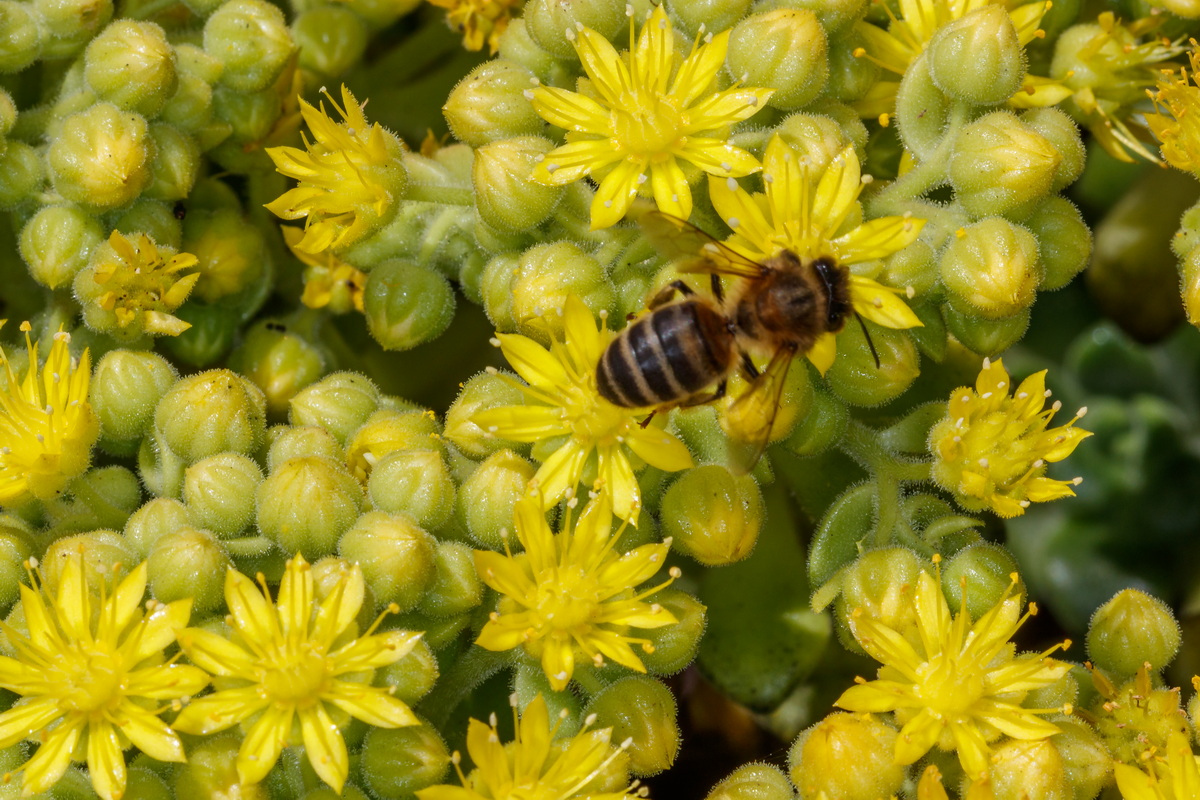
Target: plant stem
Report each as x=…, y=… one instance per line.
x=472, y=668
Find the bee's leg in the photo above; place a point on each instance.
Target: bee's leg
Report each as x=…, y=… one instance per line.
x=749, y=368
x=718, y=290
x=668, y=292
x=646, y=422
x=709, y=397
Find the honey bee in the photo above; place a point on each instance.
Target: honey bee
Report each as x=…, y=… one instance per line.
x=682, y=349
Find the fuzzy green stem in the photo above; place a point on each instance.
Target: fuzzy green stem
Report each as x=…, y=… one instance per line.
x=863, y=444
x=926, y=174
x=472, y=668
x=442, y=195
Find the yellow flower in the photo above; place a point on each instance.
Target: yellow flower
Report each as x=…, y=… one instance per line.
x=813, y=210
x=960, y=686
x=93, y=678
x=47, y=428
x=1178, y=126
x=992, y=448
x=534, y=766
x=294, y=661
x=479, y=21
x=328, y=281
x=1173, y=777
x=137, y=285
x=571, y=593
x=909, y=33
x=351, y=176
x=566, y=403
x=633, y=118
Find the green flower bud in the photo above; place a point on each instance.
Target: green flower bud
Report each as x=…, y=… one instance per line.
x=406, y=304
x=1018, y=770
x=16, y=547
x=154, y=520
x=505, y=196
x=922, y=109
x=711, y=15
x=1060, y=130
x=145, y=784
x=132, y=65
x=821, y=427
x=999, y=164
x=991, y=269
x=101, y=158
x=388, y=431
x=154, y=218
x=331, y=39
x=56, y=243
x=188, y=563
x=713, y=515
x=986, y=337
x=784, y=49
x=396, y=556
x=846, y=755
x=850, y=77
x=251, y=39
x=675, y=646
x=754, y=782
x=483, y=391
x=549, y=273
x=1087, y=762
x=413, y=676
x=210, y=772
x=210, y=413
x=642, y=709
x=68, y=25
x=487, y=497
x=102, y=551
x=279, y=361
x=21, y=174
x=415, y=483
x=340, y=403
x=978, y=57
x=396, y=762
x=495, y=289
x=219, y=492
x=190, y=108
x=1131, y=629
x=176, y=163
x=1064, y=241
x=878, y=584
x=306, y=440
x=232, y=254
x=854, y=376
x=983, y=573
x=552, y=24
x=490, y=104
x=1189, y=269
x=208, y=340
x=455, y=588
x=307, y=504
x=20, y=39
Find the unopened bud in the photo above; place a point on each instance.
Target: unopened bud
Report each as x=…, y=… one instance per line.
x=1087, y=762
x=219, y=492
x=675, y=645
x=709, y=15
x=415, y=483
x=880, y=584
x=455, y=588
x=210, y=413
x=1131, y=629
x=211, y=771
x=1064, y=241
x=642, y=709
x=784, y=49
x=413, y=676
x=987, y=337
x=68, y=25
x=754, y=782
x=983, y=574
x=1019, y=770
x=16, y=547
x=1000, y=164
x=856, y=377
x=978, y=57
x=397, y=557
x=21, y=174
x=154, y=520
x=486, y=499
x=388, y=431
x=992, y=268
x=483, y=391
x=547, y=275
x=304, y=440
x=821, y=427
x=396, y=762
x=101, y=158
x=278, y=360
x=504, y=194
x=251, y=38
x=549, y=22
x=132, y=65
x=56, y=243
x=20, y=39
x=712, y=515
x=1063, y=134
x=846, y=755
x=490, y=104
x=154, y=218
x=331, y=39
x=406, y=304
x=307, y=504
x=188, y=563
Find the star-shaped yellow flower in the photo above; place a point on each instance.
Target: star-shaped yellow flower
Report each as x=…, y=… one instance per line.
x=1177, y=121
x=813, y=210
x=959, y=686
x=571, y=594
x=633, y=118
x=132, y=287
x=294, y=659
x=564, y=402
x=1174, y=775
x=93, y=678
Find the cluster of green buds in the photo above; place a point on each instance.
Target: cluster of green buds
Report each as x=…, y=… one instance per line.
x=282, y=517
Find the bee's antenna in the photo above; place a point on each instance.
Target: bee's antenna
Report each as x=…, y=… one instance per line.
x=866, y=333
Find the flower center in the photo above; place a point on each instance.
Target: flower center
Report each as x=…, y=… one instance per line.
x=647, y=125
x=297, y=676
x=567, y=599
x=950, y=686
x=89, y=679
x=592, y=418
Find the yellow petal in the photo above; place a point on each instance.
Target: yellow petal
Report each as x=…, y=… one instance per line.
x=616, y=192
x=263, y=743
x=659, y=449
x=880, y=305
x=823, y=352
x=324, y=746
x=370, y=704
x=106, y=762
x=877, y=238
x=741, y=213
x=149, y=733
x=570, y=110
x=672, y=194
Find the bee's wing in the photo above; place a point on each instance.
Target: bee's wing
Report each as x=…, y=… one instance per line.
x=752, y=416
x=676, y=238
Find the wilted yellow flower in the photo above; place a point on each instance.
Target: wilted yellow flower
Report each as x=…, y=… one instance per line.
x=812, y=210
x=959, y=687
x=328, y=281
x=561, y=385
x=1177, y=124
x=351, y=176
x=534, y=766
x=992, y=449
x=292, y=661
x=47, y=428
x=479, y=21
x=1174, y=775
x=93, y=678
x=634, y=118
x=571, y=594
x=136, y=285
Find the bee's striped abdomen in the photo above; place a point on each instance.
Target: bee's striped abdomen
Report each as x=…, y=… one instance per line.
x=668, y=355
